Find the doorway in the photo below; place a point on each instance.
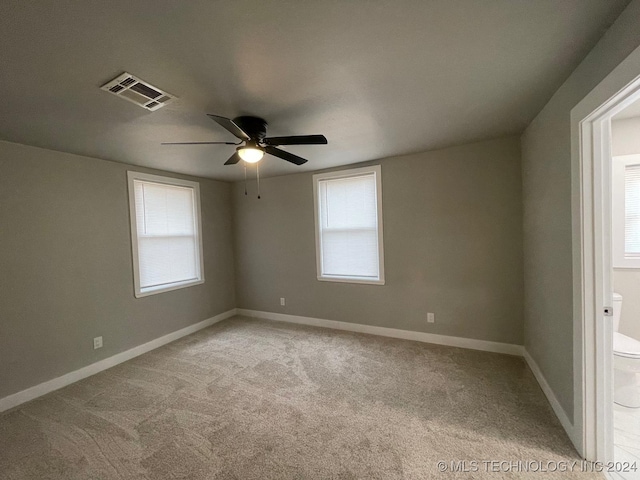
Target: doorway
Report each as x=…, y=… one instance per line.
x=600, y=423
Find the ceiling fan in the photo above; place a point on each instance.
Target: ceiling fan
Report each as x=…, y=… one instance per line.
x=252, y=131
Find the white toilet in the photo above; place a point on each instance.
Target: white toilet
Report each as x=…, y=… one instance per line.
x=626, y=362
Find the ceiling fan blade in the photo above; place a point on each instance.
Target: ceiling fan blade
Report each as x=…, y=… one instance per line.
x=228, y=124
x=199, y=143
x=289, y=157
x=297, y=140
x=233, y=159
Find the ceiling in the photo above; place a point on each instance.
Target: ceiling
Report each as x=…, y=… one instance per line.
x=377, y=77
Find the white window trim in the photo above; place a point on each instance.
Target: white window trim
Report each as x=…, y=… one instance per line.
x=354, y=172
x=146, y=177
x=620, y=260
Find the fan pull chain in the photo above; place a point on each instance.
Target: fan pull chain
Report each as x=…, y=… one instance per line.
x=245, y=178
x=258, y=177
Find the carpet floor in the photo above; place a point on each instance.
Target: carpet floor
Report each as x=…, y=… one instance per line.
x=253, y=399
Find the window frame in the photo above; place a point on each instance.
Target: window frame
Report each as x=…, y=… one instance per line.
x=620, y=259
x=354, y=172
x=132, y=176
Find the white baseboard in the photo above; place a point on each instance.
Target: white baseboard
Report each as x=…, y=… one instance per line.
x=470, y=343
x=49, y=386
x=566, y=423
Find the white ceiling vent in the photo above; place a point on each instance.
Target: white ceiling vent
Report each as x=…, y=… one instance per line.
x=138, y=91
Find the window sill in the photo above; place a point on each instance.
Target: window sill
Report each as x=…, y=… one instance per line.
x=145, y=292
x=360, y=280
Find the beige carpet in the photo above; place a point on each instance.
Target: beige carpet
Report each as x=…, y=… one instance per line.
x=252, y=399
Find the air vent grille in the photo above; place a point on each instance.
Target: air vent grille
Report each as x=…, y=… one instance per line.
x=137, y=91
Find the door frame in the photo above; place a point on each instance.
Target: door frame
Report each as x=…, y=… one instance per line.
x=591, y=207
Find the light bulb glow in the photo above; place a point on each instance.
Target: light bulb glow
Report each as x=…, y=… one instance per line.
x=250, y=154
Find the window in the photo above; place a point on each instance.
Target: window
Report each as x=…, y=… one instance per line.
x=626, y=211
x=348, y=211
x=165, y=233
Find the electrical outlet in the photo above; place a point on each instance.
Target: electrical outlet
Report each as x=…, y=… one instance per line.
x=282, y=302
x=97, y=343
x=431, y=317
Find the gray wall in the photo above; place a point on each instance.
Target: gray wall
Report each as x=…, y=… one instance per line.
x=65, y=266
x=546, y=168
x=452, y=238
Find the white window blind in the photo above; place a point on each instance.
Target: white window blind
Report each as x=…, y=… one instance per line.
x=165, y=233
x=349, y=226
x=632, y=211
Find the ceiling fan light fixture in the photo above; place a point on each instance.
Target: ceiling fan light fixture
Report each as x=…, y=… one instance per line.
x=250, y=154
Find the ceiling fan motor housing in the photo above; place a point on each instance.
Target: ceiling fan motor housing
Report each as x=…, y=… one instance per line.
x=255, y=127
